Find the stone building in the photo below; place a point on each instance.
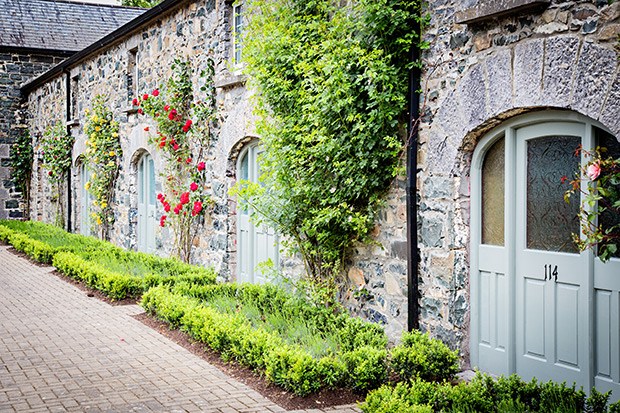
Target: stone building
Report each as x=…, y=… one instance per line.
x=510, y=89
x=34, y=37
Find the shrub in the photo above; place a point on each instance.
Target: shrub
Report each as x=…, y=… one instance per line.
x=37, y=250
x=420, y=356
x=366, y=368
x=486, y=395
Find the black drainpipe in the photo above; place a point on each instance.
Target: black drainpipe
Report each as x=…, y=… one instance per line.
x=68, y=106
x=412, y=172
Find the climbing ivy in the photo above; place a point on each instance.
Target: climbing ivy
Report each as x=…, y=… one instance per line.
x=22, y=156
x=103, y=155
x=332, y=96
x=56, y=146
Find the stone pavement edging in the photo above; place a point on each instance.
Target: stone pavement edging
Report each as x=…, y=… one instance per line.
x=63, y=351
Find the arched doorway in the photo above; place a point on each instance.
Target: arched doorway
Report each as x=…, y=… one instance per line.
x=539, y=308
x=147, y=200
x=255, y=243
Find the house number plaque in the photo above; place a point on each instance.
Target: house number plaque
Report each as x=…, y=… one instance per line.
x=551, y=273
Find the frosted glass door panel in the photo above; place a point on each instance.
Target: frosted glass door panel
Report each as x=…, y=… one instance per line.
x=493, y=195
x=550, y=220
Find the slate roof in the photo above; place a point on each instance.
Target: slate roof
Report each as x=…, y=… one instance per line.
x=59, y=24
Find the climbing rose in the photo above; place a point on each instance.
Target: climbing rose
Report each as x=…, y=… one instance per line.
x=594, y=171
x=193, y=186
x=155, y=92
x=135, y=102
x=145, y=96
x=146, y=129
x=172, y=114
x=201, y=166
x=176, y=148
x=167, y=108
x=187, y=126
x=140, y=111
x=166, y=207
x=178, y=208
x=188, y=161
x=184, y=197
x=162, y=144
x=197, y=206
x=194, y=213
x=159, y=196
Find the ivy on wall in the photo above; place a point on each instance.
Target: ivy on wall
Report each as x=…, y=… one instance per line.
x=56, y=146
x=22, y=156
x=332, y=96
x=102, y=156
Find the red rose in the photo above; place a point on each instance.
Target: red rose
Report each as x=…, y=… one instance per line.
x=184, y=198
x=178, y=208
x=172, y=114
x=197, y=206
x=176, y=148
x=146, y=129
x=166, y=207
x=193, y=186
x=194, y=213
x=185, y=129
x=145, y=96
x=140, y=111
x=135, y=102
x=162, y=144
x=187, y=126
x=155, y=92
x=159, y=196
x=50, y=173
x=201, y=166
x=167, y=108
x=188, y=161
x=179, y=159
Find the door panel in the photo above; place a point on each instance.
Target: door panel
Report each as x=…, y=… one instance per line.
x=147, y=208
x=551, y=302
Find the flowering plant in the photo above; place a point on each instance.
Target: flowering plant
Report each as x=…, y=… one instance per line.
x=183, y=136
x=600, y=211
x=22, y=156
x=56, y=146
x=103, y=154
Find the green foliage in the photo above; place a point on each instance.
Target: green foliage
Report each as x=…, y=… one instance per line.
x=259, y=326
x=602, y=197
x=183, y=136
x=421, y=357
x=22, y=155
x=101, y=265
x=56, y=146
x=103, y=156
x=486, y=395
x=140, y=3
x=332, y=85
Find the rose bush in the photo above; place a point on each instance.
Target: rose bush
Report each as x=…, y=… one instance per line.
x=56, y=146
x=183, y=136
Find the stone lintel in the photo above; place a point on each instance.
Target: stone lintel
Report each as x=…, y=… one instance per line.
x=230, y=81
x=489, y=9
x=130, y=110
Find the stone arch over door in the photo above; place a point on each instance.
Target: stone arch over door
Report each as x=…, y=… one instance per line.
x=523, y=320
x=560, y=72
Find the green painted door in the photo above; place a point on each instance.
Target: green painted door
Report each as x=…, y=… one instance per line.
x=86, y=200
x=552, y=282
x=539, y=308
x=146, y=204
x=255, y=243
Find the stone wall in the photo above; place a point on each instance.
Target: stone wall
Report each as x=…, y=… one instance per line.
x=477, y=75
x=15, y=69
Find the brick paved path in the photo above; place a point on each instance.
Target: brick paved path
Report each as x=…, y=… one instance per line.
x=63, y=351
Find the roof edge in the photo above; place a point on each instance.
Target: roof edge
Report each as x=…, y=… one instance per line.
x=151, y=14
x=85, y=3
x=36, y=50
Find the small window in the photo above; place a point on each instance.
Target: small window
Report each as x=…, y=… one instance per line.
x=74, y=113
x=610, y=144
x=237, y=30
x=132, y=73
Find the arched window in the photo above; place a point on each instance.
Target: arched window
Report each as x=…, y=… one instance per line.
x=147, y=199
x=255, y=243
x=539, y=308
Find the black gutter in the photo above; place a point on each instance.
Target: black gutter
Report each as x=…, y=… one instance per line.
x=68, y=106
x=36, y=50
x=151, y=14
x=412, y=173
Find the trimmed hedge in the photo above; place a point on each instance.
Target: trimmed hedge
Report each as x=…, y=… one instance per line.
x=486, y=395
x=286, y=365
x=103, y=266
x=421, y=357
